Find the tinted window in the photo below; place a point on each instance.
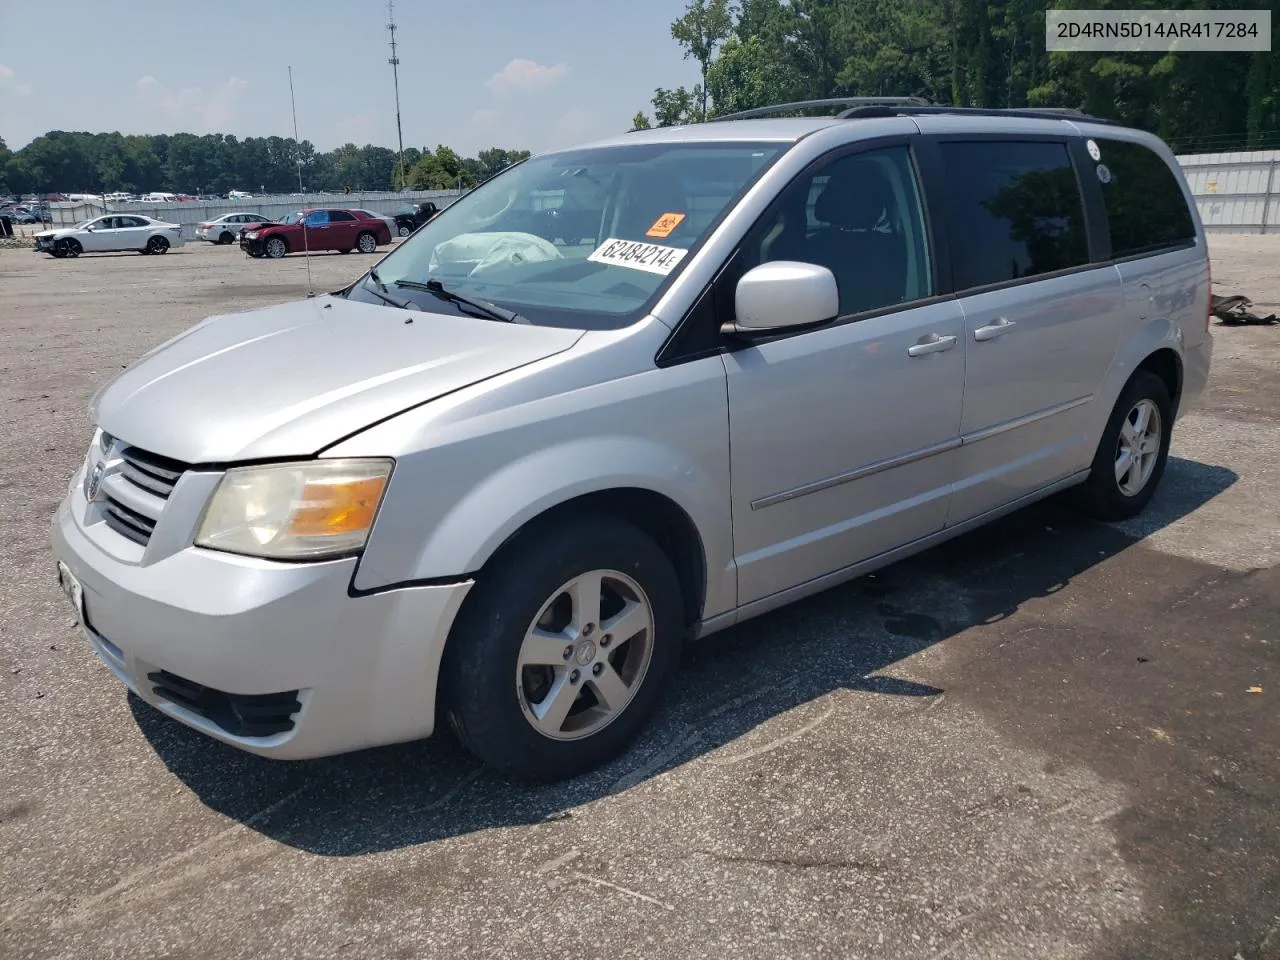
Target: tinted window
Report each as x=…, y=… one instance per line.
x=131, y=222
x=1145, y=207
x=338, y=216
x=860, y=217
x=1016, y=211
x=317, y=217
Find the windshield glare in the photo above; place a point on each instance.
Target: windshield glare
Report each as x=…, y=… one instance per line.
x=583, y=238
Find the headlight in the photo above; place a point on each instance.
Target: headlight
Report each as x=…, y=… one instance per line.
x=295, y=511
x=251, y=234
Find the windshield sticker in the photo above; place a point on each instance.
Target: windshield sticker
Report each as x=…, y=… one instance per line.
x=649, y=257
x=663, y=226
x=1094, y=153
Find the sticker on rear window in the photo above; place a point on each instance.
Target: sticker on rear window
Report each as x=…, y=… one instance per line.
x=663, y=226
x=1104, y=173
x=649, y=257
x=1094, y=153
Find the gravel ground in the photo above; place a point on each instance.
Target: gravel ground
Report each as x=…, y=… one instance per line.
x=1035, y=741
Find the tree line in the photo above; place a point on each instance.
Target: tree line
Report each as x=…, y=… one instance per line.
x=976, y=53
x=216, y=163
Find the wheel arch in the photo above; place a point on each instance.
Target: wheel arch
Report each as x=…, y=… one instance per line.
x=1157, y=347
x=654, y=514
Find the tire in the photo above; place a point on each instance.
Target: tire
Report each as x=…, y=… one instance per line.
x=529, y=585
x=367, y=243
x=157, y=246
x=1116, y=490
x=69, y=247
x=276, y=248
x=225, y=238
x=403, y=231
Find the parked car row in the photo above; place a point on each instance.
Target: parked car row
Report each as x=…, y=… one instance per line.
x=322, y=229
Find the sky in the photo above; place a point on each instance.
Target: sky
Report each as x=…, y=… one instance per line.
x=518, y=74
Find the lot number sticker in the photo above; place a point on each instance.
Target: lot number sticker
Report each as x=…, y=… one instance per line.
x=663, y=226
x=1094, y=153
x=649, y=257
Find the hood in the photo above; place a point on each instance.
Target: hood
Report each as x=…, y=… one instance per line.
x=292, y=379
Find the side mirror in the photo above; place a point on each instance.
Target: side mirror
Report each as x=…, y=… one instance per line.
x=780, y=296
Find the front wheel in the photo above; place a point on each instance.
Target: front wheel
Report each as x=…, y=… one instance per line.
x=157, y=245
x=1133, y=451
x=367, y=243
x=560, y=654
x=67, y=247
x=276, y=248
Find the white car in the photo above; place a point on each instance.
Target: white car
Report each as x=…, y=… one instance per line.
x=226, y=229
x=388, y=220
x=112, y=232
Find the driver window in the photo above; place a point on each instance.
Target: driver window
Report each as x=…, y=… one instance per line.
x=317, y=218
x=860, y=217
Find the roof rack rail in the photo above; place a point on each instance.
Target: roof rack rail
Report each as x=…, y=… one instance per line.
x=1041, y=113
x=854, y=102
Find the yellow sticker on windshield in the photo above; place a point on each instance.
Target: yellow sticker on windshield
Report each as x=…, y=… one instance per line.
x=663, y=226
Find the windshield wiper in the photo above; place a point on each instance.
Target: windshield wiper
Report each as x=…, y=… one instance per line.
x=490, y=310
x=379, y=290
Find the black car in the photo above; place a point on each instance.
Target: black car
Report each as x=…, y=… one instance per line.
x=413, y=215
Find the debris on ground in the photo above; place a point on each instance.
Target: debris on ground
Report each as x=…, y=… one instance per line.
x=1234, y=312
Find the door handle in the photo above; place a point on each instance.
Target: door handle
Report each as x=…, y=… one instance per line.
x=996, y=328
x=931, y=343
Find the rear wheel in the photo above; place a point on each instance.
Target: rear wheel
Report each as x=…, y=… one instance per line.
x=1133, y=451
x=67, y=247
x=367, y=243
x=403, y=230
x=585, y=618
x=225, y=237
x=276, y=248
x=157, y=245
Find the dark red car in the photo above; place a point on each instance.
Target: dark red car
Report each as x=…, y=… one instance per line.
x=326, y=229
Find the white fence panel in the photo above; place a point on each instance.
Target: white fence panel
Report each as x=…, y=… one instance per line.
x=1236, y=192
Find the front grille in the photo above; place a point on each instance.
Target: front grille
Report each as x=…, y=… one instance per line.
x=151, y=472
x=155, y=476
x=129, y=523
x=239, y=714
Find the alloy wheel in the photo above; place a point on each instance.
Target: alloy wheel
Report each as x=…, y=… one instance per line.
x=586, y=655
x=1138, y=448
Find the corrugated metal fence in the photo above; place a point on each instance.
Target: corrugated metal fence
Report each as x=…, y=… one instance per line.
x=1236, y=192
x=190, y=214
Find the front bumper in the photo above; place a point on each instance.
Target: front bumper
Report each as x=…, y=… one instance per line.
x=364, y=668
x=255, y=247
x=44, y=244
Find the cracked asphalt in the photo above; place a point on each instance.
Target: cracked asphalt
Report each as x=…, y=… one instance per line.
x=1038, y=740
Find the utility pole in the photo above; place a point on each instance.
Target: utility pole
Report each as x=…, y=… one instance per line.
x=395, y=74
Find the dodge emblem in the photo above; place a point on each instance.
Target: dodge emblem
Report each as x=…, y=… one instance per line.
x=94, y=481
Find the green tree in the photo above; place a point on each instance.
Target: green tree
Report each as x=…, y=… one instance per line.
x=640, y=121
x=675, y=107
x=704, y=26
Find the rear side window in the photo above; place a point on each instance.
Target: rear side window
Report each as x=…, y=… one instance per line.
x=339, y=216
x=1015, y=211
x=1146, y=210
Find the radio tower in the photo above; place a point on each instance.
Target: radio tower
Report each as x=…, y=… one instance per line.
x=395, y=74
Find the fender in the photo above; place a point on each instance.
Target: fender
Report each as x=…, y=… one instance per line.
x=460, y=489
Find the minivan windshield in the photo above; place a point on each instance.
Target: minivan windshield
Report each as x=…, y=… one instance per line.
x=583, y=238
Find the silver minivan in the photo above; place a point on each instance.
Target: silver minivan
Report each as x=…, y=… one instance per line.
x=622, y=396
